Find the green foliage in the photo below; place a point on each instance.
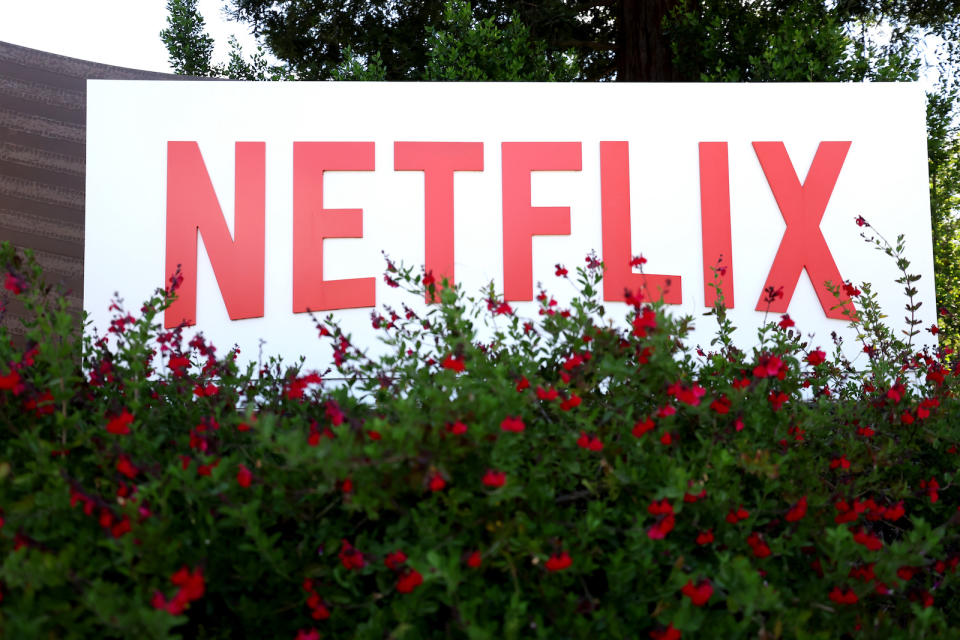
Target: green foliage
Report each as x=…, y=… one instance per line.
x=943, y=149
x=353, y=68
x=726, y=40
x=466, y=49
x=151, y=487
x=189, y=46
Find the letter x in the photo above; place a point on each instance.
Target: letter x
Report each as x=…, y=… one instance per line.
x=802, y=206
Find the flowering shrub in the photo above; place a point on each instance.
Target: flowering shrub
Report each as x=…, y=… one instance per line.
x=564, y=478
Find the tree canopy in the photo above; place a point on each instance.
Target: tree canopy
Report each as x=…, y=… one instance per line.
x=627, y=40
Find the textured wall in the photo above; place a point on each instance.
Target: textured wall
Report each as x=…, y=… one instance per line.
x=42, y=160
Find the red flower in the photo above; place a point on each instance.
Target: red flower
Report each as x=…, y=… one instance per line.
x=895, y=512
x=869, y=540
x=559, y=562
x=547, y=395
x=721, y=405
x=313, y=634
x=512, y=423
x=14, y=284
x=776, y=399
x=453, y=363
x=571, y=402
x=573, y=362
x=864, y=572
x=906, y=573
x=736, y=516
x=896, y=392
x=192, y=588
x=660, y=507
x=410, y=580
x=797, y=511
x=120, y=425
x=850, y=290
x=350, y=557
x=436, y=482
x=700, y=593
x=523, y=383
x=643, y=322
x=816, y=357
x=457, y=428
x=844, y=596
x=760, y=548
x=642, y=426
x=666, y=411
x=589, y=442
x=666, y=633
x=244, y=476
x=11, y=382
x=126, y=467
x=687, y=395
x=395, y=559
x=661, y=527
x=207, y=469
x=190, y=582
x=494, y=479
x=786, y=322
x=840, y=462
x=206, y=391
x=474, y=559
x=769, y=365
x=932, y=487
x=318, y=608
x=334, y=412
x=705, y=537
x=847, y=512
x=120, y=528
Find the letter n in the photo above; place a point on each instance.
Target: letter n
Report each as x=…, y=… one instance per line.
x=193, y=208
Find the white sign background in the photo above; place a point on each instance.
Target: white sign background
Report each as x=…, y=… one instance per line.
x=884, y=178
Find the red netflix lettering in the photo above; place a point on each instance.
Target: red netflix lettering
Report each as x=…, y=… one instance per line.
x=438, y=161
x=521, y=221
x=802, y=207
x=618, y=276
x=192, y=207
x=715, y=223
x=312, y=224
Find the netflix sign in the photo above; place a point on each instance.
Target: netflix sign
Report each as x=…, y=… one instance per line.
x=279, y=199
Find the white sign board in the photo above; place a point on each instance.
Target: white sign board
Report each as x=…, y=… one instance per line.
x=297, y=188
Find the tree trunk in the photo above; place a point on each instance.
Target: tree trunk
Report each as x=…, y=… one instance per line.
x=643, y=53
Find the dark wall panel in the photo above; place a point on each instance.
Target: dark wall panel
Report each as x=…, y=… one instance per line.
x=43, y=159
